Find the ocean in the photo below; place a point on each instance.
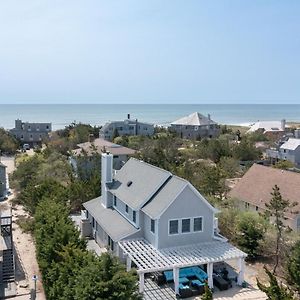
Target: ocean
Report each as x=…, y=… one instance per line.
x=61, y=115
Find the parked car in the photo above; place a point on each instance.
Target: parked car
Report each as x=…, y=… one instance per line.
x=26, y=147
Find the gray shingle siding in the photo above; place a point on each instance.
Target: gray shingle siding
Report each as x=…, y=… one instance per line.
x=126, y=127
x=31, y=133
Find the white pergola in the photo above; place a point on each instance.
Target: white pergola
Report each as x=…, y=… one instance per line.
x=149, y=259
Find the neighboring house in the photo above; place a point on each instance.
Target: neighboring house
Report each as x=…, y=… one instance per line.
x=272, y=129
x=87, y=157
x=2, y=180
x=126, y=127
x=31, y=133
x=289, y=150
x=254, y=189
x=147, y=215
x=196, y=126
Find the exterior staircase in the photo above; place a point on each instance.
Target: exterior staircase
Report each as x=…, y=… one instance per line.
x=8, y=266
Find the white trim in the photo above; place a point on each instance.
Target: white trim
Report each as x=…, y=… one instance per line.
x=149, y=259
x=202, y=224
x=215, y=210
x=191, y=221
x=179, y=229
x=165, y=209
x=192, y=231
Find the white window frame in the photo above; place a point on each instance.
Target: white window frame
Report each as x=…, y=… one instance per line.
x=179, y=227
x=191, y=223
x=202, y=223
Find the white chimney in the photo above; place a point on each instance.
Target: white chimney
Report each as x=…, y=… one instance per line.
x=283, y=124
x=106, y=177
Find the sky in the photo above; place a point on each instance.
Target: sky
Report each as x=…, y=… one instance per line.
x=149, y=51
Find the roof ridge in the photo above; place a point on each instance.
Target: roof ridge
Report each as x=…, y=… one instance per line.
x=148, y=164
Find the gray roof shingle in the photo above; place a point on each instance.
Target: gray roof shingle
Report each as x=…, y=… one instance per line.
x=194, y=119
x=116, y=226
x=162, y=200
x=137, y=182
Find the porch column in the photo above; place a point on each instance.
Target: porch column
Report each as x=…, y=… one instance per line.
x=241, y=266
x=128, y=263
x=141, y=282
x=176, y=280
x=210, y=268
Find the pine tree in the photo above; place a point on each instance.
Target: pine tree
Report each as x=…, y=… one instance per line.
x=275, y=291
x=293, y=267
x=277, y=208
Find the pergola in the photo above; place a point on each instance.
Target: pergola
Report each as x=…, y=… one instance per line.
x=149, y=259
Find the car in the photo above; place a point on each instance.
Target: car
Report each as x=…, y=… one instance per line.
x=26, y=147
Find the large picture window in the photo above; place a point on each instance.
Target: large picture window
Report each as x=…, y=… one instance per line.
x=173, y=227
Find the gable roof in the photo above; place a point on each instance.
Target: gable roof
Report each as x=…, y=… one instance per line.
x=291, y=144
x=194, y=119
x=162, y=200
x=137, y=182
x=116, y=226
x=167, y=194
x=256, y=185
x=98, y=145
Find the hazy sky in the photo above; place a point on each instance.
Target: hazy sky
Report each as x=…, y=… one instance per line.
x=149, y=51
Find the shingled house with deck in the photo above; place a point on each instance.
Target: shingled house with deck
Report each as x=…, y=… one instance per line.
x=158, y=221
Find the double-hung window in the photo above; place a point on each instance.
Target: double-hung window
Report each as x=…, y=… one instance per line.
x=185, y=225
x=198, y=224
x=173, y=227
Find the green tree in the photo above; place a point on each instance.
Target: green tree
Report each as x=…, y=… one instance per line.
x=251, y=228
x=283, y=165
x=277, y=208
x=8, y=144
x=229, y=165
x=207, y=293
x=275, y=291
x=293, y=266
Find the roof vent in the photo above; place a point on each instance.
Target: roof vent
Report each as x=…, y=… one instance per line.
x=129, y=183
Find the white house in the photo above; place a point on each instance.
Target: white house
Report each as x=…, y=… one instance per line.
x=156, y=220
x=289, y=150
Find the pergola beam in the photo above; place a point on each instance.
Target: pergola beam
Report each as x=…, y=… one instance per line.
x=149, y=259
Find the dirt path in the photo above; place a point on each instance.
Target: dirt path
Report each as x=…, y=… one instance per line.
x=26, y=263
